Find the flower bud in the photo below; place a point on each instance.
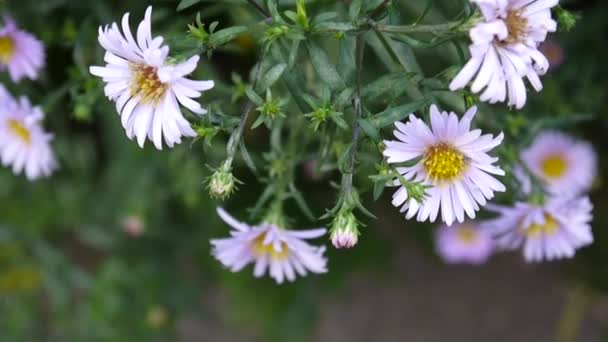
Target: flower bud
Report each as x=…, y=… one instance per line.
x=221, y=183
x=344, y=232
x=133, y=225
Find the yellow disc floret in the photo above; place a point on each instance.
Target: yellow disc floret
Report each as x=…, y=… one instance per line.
x=554, y=166
x=550, y=227
x=517, y=25
x=7, y=49
x=19, y=130
x=146, y=84
x=467, y=235
x=444, y=163
x=260, y=249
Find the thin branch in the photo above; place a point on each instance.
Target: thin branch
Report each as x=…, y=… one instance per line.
x=236, y=136
x=347, y=180
x=433, y=29
x=259, y=8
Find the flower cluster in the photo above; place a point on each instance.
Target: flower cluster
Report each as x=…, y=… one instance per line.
x=444, y=168
x=24, y=144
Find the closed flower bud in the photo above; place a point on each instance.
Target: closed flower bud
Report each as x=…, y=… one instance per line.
x=221, y=183
x=344, y=232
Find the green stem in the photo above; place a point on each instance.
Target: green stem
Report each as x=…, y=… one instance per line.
x=438, y=29
x=259, y=8
x=236, y=136
x=347, y=178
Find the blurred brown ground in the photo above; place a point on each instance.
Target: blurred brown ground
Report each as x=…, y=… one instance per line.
x=424, y=301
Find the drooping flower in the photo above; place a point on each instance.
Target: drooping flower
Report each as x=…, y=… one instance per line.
x=453, y=162
x=24, y=145
x=567, y=166
x=283, y=253
x=147, y=88
x=20, y=52
x=464, y=243
x=551, y=231
x=504, y=50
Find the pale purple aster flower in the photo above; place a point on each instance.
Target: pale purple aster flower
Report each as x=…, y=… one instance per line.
x=551, y=231
x=24, y=144
x=504, y=50
x=568, y=166
x=464, y=243
x=453, y=162
x=283, y=253
x=20, y=52
x=147, y=88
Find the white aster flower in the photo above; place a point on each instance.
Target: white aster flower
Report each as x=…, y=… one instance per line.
x=452, y=161
x=24, y=145
x=547, y=232
x=504, y=49
x=567, y=166
x=146, y=87
x=284, y=253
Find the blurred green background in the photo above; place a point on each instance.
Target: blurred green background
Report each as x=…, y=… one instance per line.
x=115, y=245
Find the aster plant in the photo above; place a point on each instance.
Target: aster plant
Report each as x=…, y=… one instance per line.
x=444, y=165
x=294, y=114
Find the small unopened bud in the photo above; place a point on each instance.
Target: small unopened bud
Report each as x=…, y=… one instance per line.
x=344, y=232
x=133, y=225
x=222, y=183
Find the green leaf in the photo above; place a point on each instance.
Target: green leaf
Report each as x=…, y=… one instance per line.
x=333, y=26
x=247, y=158
x=325, y=16
x=391, y=115
x=346, y=62
x=354, y=10
x=324, y=68
x=223, y=36
x=393, y=84
x=272, y=76
x=253, y=96
x=370, y=130
x=186, y=4
x=301, y=202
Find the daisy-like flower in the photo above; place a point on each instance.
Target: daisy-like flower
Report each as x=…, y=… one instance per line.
x=147, y=88
x=24, y=144
x=547, y=232
x=567, y=166
x=20, y=52
x=284, y=253
x=451, y=160
x=464, y=243
x=504, y=49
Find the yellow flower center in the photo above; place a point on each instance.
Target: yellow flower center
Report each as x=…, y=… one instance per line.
x=260, y=249
x=554, y=166
x=467, y=235
x=146, y=84
x=517, y=26
x=443, y=163
x=550, y=227
x=19, y=130
x=7, y=49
